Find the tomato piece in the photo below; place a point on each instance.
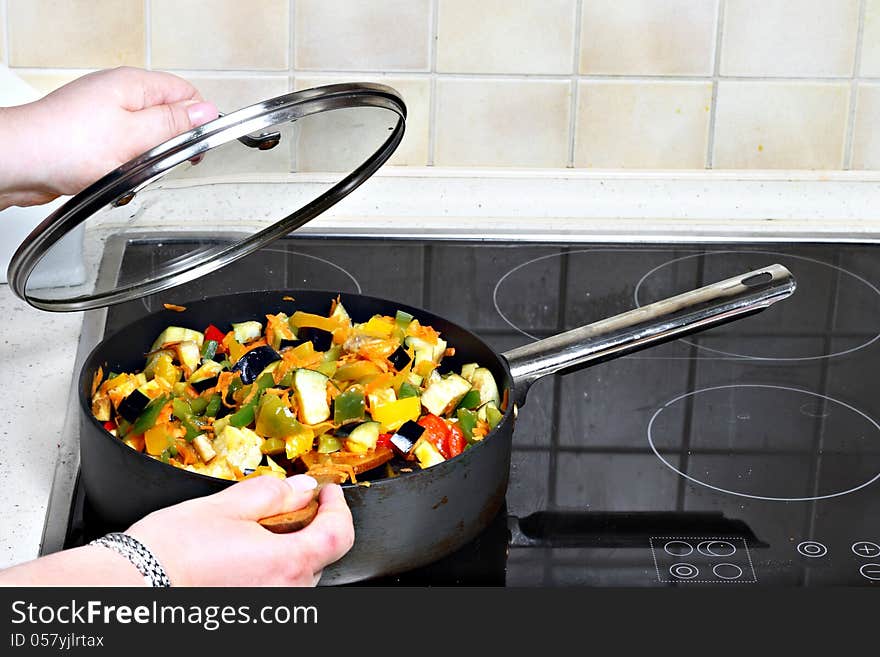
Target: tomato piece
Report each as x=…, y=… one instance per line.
x=456, y=441
x=437, y=433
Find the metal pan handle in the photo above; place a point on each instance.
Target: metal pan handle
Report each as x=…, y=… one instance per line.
x=647, y=326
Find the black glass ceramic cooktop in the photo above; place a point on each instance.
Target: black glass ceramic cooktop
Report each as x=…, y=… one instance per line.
x=749, y=454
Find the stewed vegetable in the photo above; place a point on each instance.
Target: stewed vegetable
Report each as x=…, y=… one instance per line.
x=303, y=392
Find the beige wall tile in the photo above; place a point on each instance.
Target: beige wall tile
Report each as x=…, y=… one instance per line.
x=516, y=123
x=230, y=93
x=3, y=58
x=499, y=36
x=866, y=136
x=642, y=125
x=220, y=34
x=871, y=40
x=76, y=33
x=416, y=92
x=789, y=37
x=647, y=37
x=392, y=35
x=780, y=125
x=46, y=82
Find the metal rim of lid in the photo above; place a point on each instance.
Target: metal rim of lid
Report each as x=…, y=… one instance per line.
x=133, y=175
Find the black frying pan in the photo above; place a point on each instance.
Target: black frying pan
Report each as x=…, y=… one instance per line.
x=415, y=518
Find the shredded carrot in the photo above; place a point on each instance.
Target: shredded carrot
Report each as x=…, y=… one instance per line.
x=96, y=380
x=287, y=298
x=449, y=352
x=222, y=387
x=380, y=382
x=426, y=333
x=174, y=307
x=505, y=398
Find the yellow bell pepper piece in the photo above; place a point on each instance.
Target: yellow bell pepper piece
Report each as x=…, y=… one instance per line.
x=301, y=319
x=392, y=415
x=378, y=327
x=298, y=444
x=356, y=371
x=157, y=439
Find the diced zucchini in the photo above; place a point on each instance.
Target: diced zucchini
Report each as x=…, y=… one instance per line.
x=189, y=354
x=363, y=437
x=247, y=331
x=442, y=396
x=208, y=370
x=467, y=371
x=240, y=447
x=414, y=379
x=204, y=448
x=433, y=377
x=381, y=396
x=174, y=334
x=425, y=351
x=485, y=383
x=151, y=389
x=427, y=454
x=311, y=396
x=327, y=444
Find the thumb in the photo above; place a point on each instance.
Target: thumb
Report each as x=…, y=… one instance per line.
x=260, y=497
x=156, y=124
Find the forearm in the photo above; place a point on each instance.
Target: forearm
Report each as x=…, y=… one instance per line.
x=90, y=565
x=22, y=164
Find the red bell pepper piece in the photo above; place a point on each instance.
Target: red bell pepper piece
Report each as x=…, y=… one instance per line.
x=384, y=440
x=215, y=334
x=109, y=425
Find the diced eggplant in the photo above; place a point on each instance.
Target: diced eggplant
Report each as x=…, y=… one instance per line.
x=288, y=343
x=247, y=331
x=321, y=340
x=310, y=388
x=363, y=437
x=206, y=376
x=175, y=334
x=485, y=383
x=400, y=358
x=254, y=362
x=406, y=437
x=133, y=405
x=442, y=396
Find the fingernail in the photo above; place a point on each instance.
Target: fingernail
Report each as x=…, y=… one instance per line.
x=302, y=483
x=200, y=112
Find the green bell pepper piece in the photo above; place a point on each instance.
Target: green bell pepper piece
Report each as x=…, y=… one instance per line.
x=470, y=401
x=493, y=416
x=467, y=420
x=209, y=349
x=275, y=420
x=213, y=406
x=328, y=444
x=403, y=319
x=349, y=406
x=246, y=413
x=183, y=412
x=149, y=416
x=407, y=389
x=198, y=405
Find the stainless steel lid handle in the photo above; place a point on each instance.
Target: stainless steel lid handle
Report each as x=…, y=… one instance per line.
x=649, y=325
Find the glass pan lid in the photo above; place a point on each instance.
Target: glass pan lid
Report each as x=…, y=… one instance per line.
x=253, y=175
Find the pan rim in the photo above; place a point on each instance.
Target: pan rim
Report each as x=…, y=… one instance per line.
x=508, y=416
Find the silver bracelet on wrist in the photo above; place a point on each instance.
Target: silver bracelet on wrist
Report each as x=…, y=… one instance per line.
x=138, y=554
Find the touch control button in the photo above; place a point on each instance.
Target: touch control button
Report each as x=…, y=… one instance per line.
x=683, y=571
x=716, y=548
x=678, y=548
x=871, y=571
x=866, y=549
x=727, y=571
x=812, y=549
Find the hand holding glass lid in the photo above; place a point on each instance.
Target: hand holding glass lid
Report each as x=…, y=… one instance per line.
x=69, y=139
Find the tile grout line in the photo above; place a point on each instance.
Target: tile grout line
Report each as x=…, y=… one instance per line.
x=850, y=128
x=6, y=32
x=291, y=46
x=716, y=75
x=540, y=77
x=575, y=69
x=432, y=84
x=148, y=35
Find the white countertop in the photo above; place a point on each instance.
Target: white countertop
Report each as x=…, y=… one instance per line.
x=38, y=349
x=37, y=353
